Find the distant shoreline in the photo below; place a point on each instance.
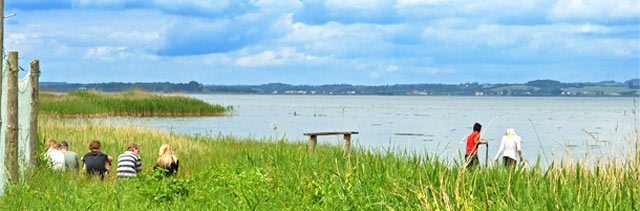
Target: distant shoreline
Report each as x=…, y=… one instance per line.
x=630, y=88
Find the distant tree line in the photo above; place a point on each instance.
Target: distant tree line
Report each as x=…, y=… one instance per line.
x=531, y=88
x=191, y=87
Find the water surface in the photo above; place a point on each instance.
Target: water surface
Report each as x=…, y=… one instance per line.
x=561, y=126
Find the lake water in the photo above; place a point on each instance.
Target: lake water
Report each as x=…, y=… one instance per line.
x=560, y=126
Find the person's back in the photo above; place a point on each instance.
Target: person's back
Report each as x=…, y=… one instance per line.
x=70, y=159
x=509, y=146
x=473, y=140
x=171, y=169
x=167, y=161
x=56, y=158
x=53, y=155
x=472, y=145
x=94, y=163
x=129, y=162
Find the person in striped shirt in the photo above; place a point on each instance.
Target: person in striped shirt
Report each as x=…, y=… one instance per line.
x=129, y=162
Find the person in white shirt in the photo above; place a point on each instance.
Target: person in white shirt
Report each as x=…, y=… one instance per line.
x=509, y=145
x=54, y=156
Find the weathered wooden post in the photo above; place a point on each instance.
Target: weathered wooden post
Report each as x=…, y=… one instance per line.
x=313, y=140
x=346, y=145
x=11, y=141
x=33, y=122
x=1, y=32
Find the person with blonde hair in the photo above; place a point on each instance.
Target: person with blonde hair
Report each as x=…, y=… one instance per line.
x=509, y=145
x=167, y=161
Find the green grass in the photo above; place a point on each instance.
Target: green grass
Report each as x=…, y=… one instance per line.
x=132, y=103
x=227, y=173
x=605, y=89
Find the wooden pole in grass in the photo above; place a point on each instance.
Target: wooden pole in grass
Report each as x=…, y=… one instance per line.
x=1, y=33
x=313, y=140
x=346, y=145
x=11, y=141
x=33, y=122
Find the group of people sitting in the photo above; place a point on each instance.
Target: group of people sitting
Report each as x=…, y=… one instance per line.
x=509, y=146
x=97, y=163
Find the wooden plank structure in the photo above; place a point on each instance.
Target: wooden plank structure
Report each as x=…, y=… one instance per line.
x=346, y=143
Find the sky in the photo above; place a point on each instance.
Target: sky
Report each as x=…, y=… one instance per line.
x=367, y=42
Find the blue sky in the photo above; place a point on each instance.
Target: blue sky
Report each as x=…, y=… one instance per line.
x=368, y=42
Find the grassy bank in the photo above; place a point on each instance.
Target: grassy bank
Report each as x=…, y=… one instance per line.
x=240, y=174
x=133, y=103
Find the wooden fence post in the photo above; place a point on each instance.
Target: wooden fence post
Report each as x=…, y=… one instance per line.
x=33, y=124
x=346, y=145
x=11, y=141
x=313, y=140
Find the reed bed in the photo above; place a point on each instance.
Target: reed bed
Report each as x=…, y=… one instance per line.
x=229, y=173
x=89, y=104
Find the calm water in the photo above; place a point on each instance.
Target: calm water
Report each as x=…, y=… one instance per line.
x=420, y=124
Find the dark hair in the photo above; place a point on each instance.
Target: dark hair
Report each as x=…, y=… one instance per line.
x=94, y=145
x=477, y=127
x=132, y=147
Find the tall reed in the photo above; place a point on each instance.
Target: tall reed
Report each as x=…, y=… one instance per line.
x=132, y=103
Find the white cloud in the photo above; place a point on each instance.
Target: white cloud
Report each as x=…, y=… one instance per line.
x=107, y=53
x=280, y=57
x=357, y=4
x=595, y=10
x=135, y=36
x=205, y=5
x=434, y=70
x=392, y=68
x=414, y=3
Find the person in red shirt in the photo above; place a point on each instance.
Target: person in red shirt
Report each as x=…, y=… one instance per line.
x=473, y=140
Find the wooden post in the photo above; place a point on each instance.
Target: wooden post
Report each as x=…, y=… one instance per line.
x=313, y=140
x=346, y=145
x=33, y=122
x=11, y=141
x=1, y=33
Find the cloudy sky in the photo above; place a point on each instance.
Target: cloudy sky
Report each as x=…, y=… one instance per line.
x=326, y=42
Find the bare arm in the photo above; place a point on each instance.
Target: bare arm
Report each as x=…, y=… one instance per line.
x=519, y=149
x=520, y=154
x=499, y=150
